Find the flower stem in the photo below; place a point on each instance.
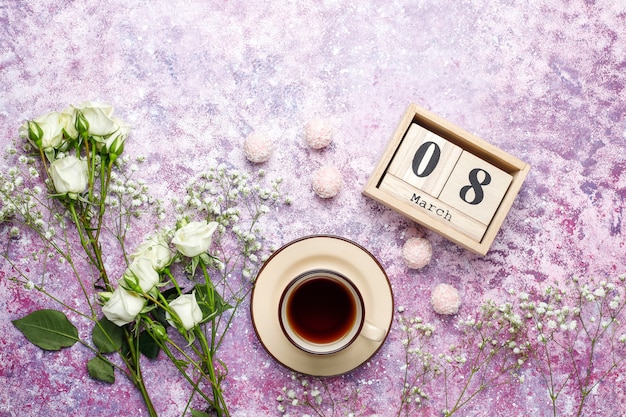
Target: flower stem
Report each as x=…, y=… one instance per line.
x=218, y=399
x=134, y=368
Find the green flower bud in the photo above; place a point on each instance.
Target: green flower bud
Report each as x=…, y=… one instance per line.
x=158, y=331
x=130, y=283
x=113, y=145
x=117, y=147
x=35, y=133
x=82, y=124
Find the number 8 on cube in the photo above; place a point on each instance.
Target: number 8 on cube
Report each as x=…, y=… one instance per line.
x=475, y=187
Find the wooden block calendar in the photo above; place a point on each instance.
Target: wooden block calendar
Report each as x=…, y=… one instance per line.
x=447, y=179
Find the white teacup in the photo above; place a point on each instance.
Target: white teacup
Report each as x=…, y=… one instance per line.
x=322, y=312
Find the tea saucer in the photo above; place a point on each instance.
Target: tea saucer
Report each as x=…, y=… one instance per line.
x=320, y=252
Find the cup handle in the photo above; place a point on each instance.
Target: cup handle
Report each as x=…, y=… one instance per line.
x=373, y=333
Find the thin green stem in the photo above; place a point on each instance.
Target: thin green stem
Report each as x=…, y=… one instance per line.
x=91, y=163
x=134, y=367
x=84, y=244
x=105, y=177
x=163, y=344
x=172, y=279
x=207, y=358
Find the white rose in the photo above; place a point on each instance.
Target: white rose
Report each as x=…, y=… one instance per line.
x=69, y=175
x=99, y=117
x=50, y=131
x=157, y=250
x=100, y=124
x=123, y=307
x=187, y=309
x=194, y=238
x=140, y=276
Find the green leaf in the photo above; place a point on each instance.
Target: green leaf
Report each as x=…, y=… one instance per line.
x=210, y=301
x=198, y=413
x=148, y=346
x=108, y=336
x=101, y=369
x=48, y=329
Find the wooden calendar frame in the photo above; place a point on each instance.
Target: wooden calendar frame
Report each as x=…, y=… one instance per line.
x=466, y=141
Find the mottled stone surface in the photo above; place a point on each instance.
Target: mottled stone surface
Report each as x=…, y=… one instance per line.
x=542, y=80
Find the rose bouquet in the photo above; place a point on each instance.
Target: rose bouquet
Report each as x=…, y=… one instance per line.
x=175, y=293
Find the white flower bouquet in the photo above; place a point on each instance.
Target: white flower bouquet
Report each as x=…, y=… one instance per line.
x=72, y=187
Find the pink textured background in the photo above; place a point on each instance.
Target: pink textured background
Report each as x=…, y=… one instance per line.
x=542, y=80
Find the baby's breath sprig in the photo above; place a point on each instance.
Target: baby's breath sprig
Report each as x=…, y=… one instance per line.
x=128, y=198
x=568, y=329
x=420, y=367
x=237, y=202
x=22, y=197
x=25, y=206
x=314, y=394
x=488, y=355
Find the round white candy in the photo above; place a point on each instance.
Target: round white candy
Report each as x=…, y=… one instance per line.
x=319, y=133
x=327, y=182
x=417, y=252
x=258, y=147
x=445, y=299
